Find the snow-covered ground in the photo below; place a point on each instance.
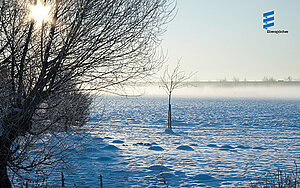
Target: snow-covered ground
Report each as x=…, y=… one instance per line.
x=214, y=143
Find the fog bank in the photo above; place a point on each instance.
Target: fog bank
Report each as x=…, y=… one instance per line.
x=280, y=92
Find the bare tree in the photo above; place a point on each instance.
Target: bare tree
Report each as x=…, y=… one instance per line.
x=78, y=46
x=171, y=81
x=236, y=79
x=268, y=79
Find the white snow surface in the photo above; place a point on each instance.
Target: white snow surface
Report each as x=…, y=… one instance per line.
x=216, y=142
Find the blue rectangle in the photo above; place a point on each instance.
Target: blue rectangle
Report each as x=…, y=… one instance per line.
x=268, y=13
x=268, y=25
x=268, y=19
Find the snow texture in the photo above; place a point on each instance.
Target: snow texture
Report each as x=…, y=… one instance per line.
x=213, y=143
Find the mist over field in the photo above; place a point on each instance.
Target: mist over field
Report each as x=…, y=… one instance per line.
x=273, y=92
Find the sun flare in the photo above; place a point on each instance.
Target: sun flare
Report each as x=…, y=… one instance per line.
x=40, y=13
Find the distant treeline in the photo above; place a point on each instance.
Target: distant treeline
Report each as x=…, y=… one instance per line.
x=225, y=83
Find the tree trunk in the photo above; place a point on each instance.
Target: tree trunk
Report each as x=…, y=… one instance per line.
x=15, y=124
x=4, y=156
x=4, y=180
x=169, y=113
x=11, y=130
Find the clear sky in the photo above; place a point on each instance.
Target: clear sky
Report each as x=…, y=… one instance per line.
x=224, y=39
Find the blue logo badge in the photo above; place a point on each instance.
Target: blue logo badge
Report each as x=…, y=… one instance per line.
x=268, y=19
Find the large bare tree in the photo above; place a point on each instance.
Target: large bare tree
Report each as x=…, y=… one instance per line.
x=69, y=47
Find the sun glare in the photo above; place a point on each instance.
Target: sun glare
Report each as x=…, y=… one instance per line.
x=40, y=12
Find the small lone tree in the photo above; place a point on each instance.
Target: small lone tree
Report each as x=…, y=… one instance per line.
x=171, y=81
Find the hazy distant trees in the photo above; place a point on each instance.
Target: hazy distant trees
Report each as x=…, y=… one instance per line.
x=268, y=79
x=171, y=80
x=47, y=69
x=236, y=79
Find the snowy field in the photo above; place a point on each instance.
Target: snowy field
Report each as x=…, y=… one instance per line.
x=216, y=142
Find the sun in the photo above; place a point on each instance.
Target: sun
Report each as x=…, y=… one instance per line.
x=40, y=13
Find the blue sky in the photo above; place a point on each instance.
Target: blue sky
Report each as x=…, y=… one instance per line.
x=224, y=39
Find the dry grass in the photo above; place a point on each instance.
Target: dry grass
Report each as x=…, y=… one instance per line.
x=281, y=179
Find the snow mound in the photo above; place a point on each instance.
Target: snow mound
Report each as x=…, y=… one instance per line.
x=212, y=145
x=243, y=147
x=169, y=131
x=186, y=148
x=156, y=148
x=110, y=147
x=227, y=147
x=118, y=141
x=107, y=137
